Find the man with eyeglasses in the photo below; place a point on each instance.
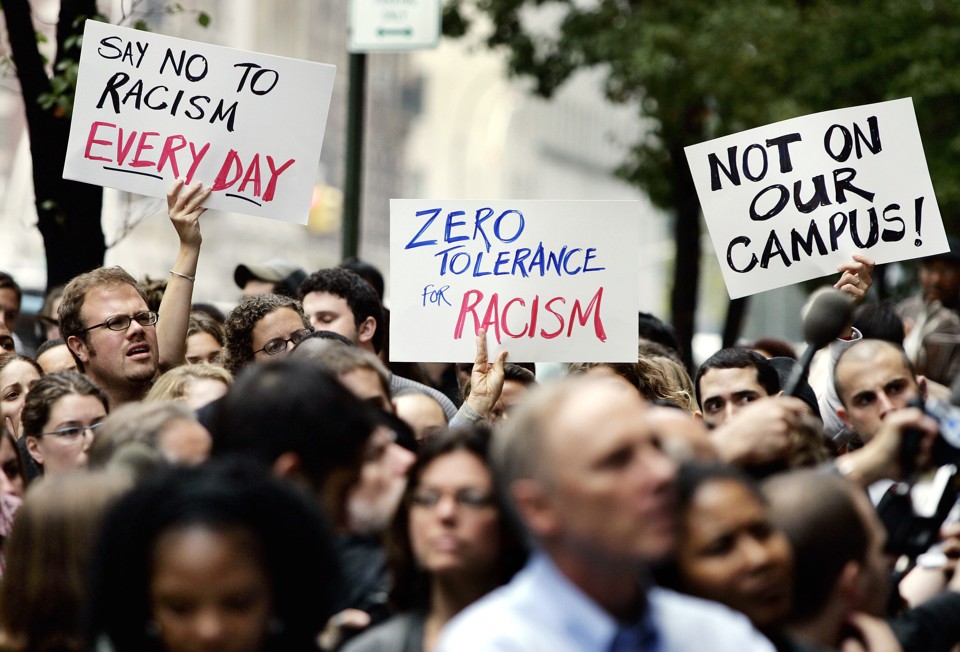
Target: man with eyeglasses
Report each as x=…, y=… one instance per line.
x=111, y=333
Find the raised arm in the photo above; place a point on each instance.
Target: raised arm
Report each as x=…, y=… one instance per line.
x=184, y=206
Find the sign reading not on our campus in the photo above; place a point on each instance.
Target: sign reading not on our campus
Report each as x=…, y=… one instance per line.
x=792, y=200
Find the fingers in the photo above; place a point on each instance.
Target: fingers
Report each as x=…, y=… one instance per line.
x=856, y=276
x=481, y=358
x=187, y=199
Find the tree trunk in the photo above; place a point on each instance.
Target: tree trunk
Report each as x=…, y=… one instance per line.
x=68, y=212
x=686, y=270
x=736, y=310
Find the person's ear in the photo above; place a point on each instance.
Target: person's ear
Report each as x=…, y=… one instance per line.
x=33, y=447
x=366, y=330
x=922, y=386
x=698, y=415
x=842, y=414
x=534, y=508
x=287, y=465
x=849, y=585
x=79, y=348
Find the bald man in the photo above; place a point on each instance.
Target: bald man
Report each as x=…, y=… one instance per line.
x=585, y=472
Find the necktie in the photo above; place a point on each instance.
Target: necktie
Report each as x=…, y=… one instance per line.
x=638, y=637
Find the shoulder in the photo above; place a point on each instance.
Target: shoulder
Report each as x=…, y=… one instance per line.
x=691, y=623
x=392, y=635
x=495, y=623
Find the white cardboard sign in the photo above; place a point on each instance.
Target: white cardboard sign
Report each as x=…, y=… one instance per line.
x=792, y=200
x=151, y=108
x=550, y=281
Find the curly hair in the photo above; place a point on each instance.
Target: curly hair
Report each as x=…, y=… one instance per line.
x=75, y=293
x=238, y=347
x=46, y=391
x=360, y=296
x=289, y=540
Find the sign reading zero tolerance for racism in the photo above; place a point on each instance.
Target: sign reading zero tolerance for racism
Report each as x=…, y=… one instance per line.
x=792, y=200
x=151, y=108
x=549, y=281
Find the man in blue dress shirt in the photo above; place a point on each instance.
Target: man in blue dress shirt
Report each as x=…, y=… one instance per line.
x=584, y=472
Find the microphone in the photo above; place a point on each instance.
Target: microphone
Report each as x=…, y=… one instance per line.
x=829, y=314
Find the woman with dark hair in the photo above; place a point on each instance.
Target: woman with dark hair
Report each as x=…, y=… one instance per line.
x=219, y=557
x=17, y=374
x=60, y=416
x=450, y=543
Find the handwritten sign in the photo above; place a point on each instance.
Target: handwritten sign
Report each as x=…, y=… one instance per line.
x=792, y=200
x=550, y=281
x=151, y=108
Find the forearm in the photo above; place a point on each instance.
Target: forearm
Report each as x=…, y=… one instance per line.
x=175, y=308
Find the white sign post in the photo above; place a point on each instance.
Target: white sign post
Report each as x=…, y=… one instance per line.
x=793, y=200
x=392, y=25
x=550, y=281
x=151, y=108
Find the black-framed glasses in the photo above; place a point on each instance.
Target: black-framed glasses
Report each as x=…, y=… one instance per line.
x=7, y=343
x=71, y=433
x=469, y=498
x=278, y=344
x=122, y=322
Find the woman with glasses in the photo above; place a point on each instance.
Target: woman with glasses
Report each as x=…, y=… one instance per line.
x=263, y=327
x=60, y=416
x=451, y=543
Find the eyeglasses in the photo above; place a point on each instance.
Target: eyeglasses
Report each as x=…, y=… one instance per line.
x=122, y=322
x=278, y=344
x=473, y=499
x=71, y=433
x=7, y=343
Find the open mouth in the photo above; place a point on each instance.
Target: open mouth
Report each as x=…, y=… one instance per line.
x=138, y=350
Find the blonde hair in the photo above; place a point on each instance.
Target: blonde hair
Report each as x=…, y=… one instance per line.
x=173, y=385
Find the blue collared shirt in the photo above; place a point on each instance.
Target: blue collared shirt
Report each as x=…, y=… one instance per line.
x=541, y=610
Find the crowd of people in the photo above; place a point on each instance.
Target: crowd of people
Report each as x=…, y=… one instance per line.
x=177, y=479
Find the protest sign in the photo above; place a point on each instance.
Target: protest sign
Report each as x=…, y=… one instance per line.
x=792, y=200
x=151, y=108
x=550, y=281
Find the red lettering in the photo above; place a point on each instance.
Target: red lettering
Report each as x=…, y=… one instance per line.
x=578, y=315
x=492, y=316
x=465, y=306
x=197, y=157
x=169, y=153
x=503, y=318
x=142, y=146
x=274, y=173
x=232, y=160
x=123, y=148
x=559, y=317
x=253, y=175
x=92, y=140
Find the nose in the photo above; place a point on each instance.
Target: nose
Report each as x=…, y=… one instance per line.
x=886, y=405
x=400, y=459
x=756, y=556
x=446, y=508
x=88, y=438
x=208, y=626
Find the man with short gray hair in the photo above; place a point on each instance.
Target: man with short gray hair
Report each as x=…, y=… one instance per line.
x=582, y=469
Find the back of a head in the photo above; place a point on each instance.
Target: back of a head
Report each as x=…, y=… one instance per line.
x=292, y=405
x=739, y=358
x=817, y=512
x=136, y=423
x=879, y=321
x=291, y=544
x=45, y=592
x=654, y=329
